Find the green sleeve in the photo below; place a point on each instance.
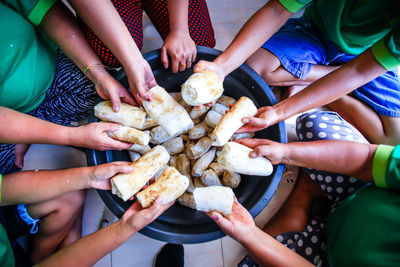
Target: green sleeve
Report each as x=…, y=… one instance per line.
x=387, y=50
x=386, y=167
x=34, y=10
x=294, y=5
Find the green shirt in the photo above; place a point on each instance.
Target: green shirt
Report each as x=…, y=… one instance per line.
x=364, y=230
x=28, y=57
x=6, y=252
x=356, y=25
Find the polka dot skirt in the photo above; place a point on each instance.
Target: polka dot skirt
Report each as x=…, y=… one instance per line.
x=131, y=12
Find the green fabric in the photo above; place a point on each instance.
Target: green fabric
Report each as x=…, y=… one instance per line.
x=379, y=164
x=294, y=5
x=364, y=228
x=356, y=25
x=40, y=10
x=6, y=252
x=28, y=58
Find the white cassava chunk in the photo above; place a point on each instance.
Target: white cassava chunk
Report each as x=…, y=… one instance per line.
x=202, y=88
x=197, y=112
x=167, y=112
x=187, y=200
x=218, y=198
x=242, y=135
x=130, y=135
x=221, y=109
x=127, y=115
x=232, y=121
x=235, y=158
x=196, y=150
x=126, y=185
x=183, y=166
x=217, y=168
x=231, y=179
x=199, y=130
x=213, y=118
x=227, y=101
x=210, y=178
x=139, y=148
x=169, y=186
x=202, y=163
x=134, y=156
x=159, y=135
x=174, y=146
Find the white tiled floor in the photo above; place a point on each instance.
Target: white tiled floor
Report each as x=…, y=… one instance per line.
x=227, y=17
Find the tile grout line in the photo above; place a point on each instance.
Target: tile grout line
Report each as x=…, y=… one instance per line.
x=222, y=252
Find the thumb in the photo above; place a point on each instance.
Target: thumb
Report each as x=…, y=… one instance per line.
x=255, y=122
x=109, y=127
x=222, y=222
x=164, y=57
x=200, y=66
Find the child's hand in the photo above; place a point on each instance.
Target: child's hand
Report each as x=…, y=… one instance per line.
x=182, y=50
x=141, y=80
x=265, y=148
x=94, y=135
x=135, y=218
x=265, y=117
x=101, y=174
x=238, y=225
x=203, y=65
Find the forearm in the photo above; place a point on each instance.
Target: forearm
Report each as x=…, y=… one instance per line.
x=60, y=25
x=20, y=128
x=178, y=15
x=88, y=250
x=37, y=186
x=104, y=20
x=336, y=84
x=267, y=251
x=350, y=158
x=261, y=26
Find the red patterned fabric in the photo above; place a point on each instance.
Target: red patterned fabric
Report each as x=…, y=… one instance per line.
x=131, y=12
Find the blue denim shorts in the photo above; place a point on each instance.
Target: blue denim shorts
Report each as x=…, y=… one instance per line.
x=299, y=44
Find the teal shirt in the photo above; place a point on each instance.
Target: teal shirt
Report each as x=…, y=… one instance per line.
x=6, y=252
x=28, y=57
x=356, y=25
x=364, y=230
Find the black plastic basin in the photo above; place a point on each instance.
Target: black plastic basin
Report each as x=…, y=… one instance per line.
x=180, y=224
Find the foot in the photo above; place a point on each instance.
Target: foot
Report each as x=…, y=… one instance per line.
x=171, y=255
x=295, y=213
x=20, y=151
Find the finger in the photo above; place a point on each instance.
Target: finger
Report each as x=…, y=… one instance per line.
x=199, y=106
x=222, y=222
x=143, y=94
x=121, y=168
x=175, y=64
x=116, y=145
x=252, y=142
x=248, y=129
x=182, y=65
x=261, y=151
x=164, y=57
x=210, y=104
x=136, y=207
x=158, y=208
x=127, y=98
x=115, y=101
x=138, y=99
x=108, y=126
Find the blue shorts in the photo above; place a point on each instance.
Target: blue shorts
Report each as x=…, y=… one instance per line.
x=299, y=44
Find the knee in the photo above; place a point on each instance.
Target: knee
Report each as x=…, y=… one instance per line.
x=264, y=63
x=73, y=201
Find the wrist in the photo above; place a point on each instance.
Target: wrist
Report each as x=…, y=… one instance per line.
x=222, y=65
x=250, y=238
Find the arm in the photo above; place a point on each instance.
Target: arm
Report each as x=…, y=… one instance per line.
x=61, y=26
x=263, y=248
x=178, y=44
x=336, y=84
x=25, y=129
x=104, y=20
x=258, y=29
x=37, y=186
x=350, y=158
x=88, y=250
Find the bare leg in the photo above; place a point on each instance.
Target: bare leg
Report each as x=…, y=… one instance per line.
x=294, y=214
x=268, y=66
x=376, y=128
x=20, y=151
x=57, y=220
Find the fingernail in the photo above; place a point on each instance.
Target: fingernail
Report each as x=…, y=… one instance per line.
x=159, y=200
x=214, y=217
x=245, y=120
x=148, y=98
x=129, y=168
x=116, y=108
x=253, y=154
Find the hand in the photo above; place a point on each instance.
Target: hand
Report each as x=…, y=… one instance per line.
x=135, y=218
x=182, y=50
x=94, y=135
x=108, y=88
x=265, y=148
x=141, y=80
x=203, y=65
x=101, y=174
x=238, y=225
x=265, y=117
